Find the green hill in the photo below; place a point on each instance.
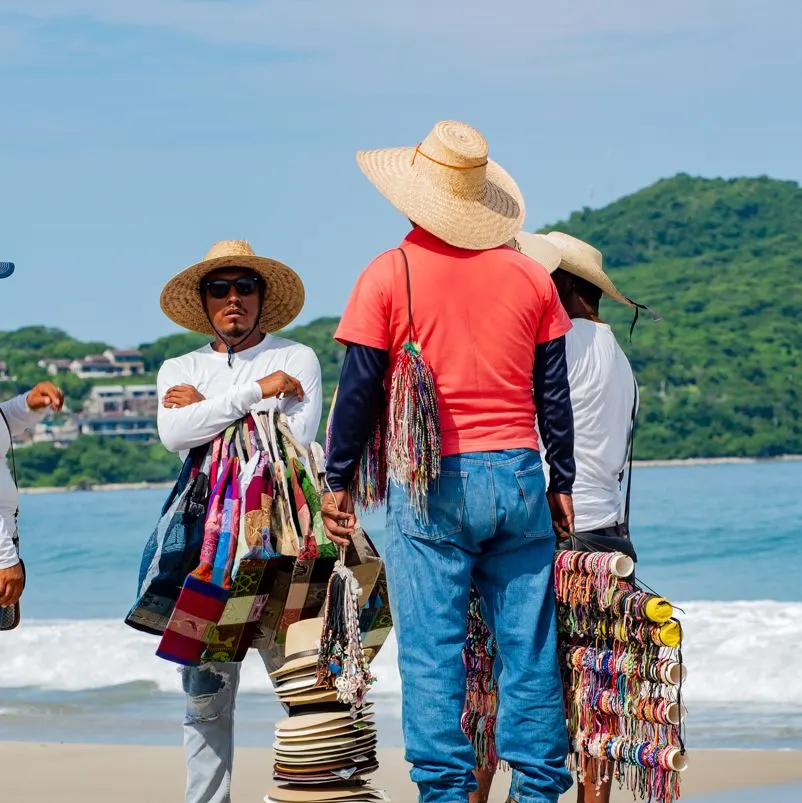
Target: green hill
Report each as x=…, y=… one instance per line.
x=721, y=260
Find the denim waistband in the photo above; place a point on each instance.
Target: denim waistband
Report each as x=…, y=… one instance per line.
x=496, y=458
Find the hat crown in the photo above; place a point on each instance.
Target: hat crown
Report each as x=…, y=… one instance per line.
x=230, y=248
x=575, y=250
x=303, y=635
x=453, y=154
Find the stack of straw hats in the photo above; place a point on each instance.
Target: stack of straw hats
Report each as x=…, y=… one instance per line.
x=324, y=750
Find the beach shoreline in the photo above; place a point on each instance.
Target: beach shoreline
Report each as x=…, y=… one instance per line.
x=681, y=463
x=77, y=773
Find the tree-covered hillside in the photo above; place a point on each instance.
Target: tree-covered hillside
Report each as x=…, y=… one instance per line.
x=721, y=260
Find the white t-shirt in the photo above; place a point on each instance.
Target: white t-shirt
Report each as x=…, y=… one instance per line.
x=602, y=394
x=20, y=417
x=231, y=391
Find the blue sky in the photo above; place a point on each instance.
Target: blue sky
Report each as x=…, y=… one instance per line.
x=135, y=134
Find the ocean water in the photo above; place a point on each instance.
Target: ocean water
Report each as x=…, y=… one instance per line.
x=722, y=542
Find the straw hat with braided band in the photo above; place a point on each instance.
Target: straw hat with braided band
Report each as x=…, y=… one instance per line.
x=449, y=187
x=181, y=298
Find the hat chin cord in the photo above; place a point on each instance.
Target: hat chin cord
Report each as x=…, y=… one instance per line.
x=231, y=347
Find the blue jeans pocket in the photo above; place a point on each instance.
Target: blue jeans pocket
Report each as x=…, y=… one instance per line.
x=532, y=488
x=445, y=507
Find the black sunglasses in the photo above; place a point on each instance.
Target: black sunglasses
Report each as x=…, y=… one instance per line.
x=244, y=285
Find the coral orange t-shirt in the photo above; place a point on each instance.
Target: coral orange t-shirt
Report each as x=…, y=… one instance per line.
x=478, y=316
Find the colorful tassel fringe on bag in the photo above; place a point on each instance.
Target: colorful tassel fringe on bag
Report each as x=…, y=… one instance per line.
x=405, y=443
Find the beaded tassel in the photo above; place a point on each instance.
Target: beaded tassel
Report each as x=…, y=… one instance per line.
x=370, y=481
x=341, y=660
x=413, y=444
x=479, y=717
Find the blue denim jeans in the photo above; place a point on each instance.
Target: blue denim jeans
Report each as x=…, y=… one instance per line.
x=488, y=518
x=211, y=692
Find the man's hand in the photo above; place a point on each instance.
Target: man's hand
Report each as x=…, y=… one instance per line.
x=562, y=513
x=46, y=394
x=182, y=396
x=280, y=384
x=339, y=520
x=10, y=585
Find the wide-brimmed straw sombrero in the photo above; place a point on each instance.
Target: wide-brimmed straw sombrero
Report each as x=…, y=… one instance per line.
x=284, y=297
x=448, y=186
x=583, y=260
x=539, y=248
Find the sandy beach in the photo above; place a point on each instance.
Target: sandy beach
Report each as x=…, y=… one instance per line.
x=73, y=773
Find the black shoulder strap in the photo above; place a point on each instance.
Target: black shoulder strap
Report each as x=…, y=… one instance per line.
x=631, y=452
x=11, y=449
x=411, y=333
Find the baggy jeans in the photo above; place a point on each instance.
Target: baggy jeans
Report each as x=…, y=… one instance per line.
x=211, y=691
x=488, y=518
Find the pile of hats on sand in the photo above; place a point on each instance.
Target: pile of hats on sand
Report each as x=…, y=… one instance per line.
x=324, y=750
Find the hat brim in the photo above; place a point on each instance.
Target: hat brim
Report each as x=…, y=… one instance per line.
x=293, y=665
x=303, y=721
x=486, y=221
x=287, y=794
x=540, y=249
x=284, y=296
x=596, y=277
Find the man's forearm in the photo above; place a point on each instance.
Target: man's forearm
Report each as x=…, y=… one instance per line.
x=184, y=428
x=555, y=415
x=359, y=399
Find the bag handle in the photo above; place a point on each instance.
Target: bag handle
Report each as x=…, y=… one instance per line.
x=410, y=325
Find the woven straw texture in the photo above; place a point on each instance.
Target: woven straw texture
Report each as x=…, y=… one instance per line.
x=448, y=186
x=284, y=299
x=539, y=248
x=585, y=261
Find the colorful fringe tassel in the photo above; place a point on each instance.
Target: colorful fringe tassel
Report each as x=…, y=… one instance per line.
x=413, y=441
x=481, y=699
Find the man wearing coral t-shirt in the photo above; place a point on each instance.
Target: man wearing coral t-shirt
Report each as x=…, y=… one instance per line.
x=491, y=329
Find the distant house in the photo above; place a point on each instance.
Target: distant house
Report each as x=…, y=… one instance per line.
x=131, y=399
x=130, y=360
x=3, y=371
x=130, y=427
x=96, y=366
x=110, y=364
x=60, y=433
x=56, y=367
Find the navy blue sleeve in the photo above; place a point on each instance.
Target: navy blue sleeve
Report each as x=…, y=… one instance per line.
x=359, y=398
x=555, y=416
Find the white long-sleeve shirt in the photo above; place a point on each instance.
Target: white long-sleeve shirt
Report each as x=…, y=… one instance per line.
x=602, y=395
x=231, y=391
x=20, y=417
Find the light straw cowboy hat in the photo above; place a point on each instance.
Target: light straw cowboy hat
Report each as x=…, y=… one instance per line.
x=539, y=248
x=449, y=187
x=181, y=298
x=301, y=646
x=583, y=260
